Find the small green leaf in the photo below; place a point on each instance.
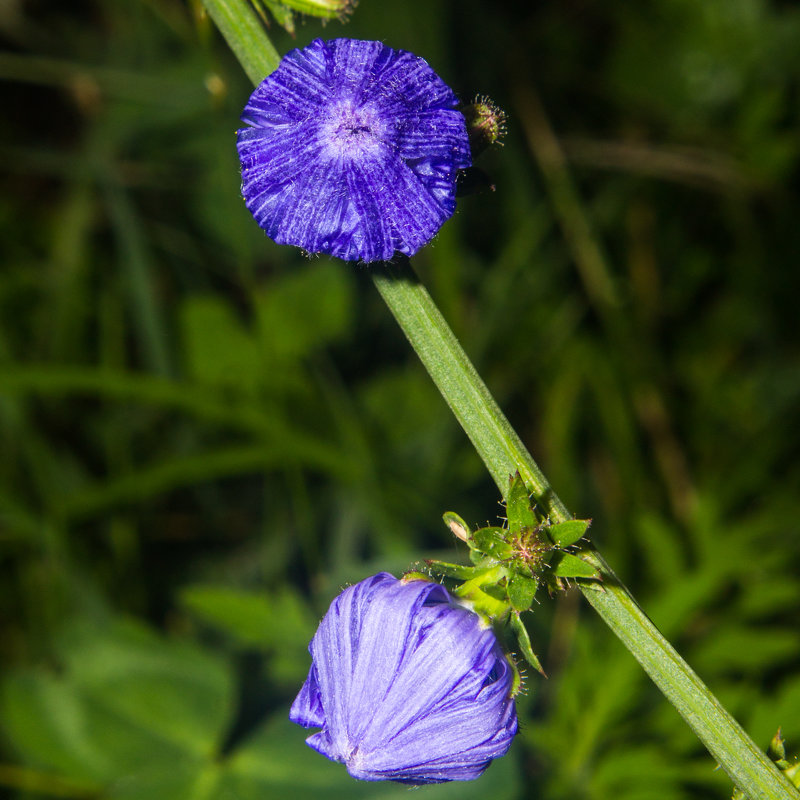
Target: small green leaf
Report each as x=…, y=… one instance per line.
x=492, y=541
x=524, y=641
x=521, y=591
x=460, y=571
x=569, y=566
x=518, y=506
x=563, y=534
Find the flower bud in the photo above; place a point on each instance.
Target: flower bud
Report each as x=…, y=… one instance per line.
x=486, y=124
x=406, y=685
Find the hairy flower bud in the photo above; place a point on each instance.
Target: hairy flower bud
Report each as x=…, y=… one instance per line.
x=486, y=124
x=406, y=685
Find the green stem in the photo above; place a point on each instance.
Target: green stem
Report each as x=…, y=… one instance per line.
x=503, y=453
x=245, y=35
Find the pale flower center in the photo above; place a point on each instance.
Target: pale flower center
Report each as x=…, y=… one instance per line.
x=350, y=131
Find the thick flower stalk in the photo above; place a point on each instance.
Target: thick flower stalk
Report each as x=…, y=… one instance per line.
x=353, y=151
x=407, y=685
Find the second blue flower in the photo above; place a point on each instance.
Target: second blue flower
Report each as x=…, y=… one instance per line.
x=407, y=685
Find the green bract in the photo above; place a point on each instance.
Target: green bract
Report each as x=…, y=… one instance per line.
x=283, y=11
x=511, y=562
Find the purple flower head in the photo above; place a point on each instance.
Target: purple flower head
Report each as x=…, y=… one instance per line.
x=353, y=151
x=406, y=685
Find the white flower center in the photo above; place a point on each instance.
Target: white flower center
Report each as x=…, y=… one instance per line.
x=350, y=131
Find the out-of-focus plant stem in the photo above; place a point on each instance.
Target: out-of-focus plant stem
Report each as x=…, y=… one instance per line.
x=504, y=453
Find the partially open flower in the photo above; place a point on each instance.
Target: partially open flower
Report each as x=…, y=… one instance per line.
x=406, y=685
x=353, y=151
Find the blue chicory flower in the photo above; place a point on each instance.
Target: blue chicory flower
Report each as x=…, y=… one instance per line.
x=406, y=685
x=353, y=151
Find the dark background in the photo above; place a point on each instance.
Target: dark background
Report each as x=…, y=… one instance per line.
x=204, y=436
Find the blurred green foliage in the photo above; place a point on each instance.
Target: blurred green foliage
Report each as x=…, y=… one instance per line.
x=205, y=436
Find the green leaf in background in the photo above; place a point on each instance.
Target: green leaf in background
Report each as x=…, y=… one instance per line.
x=297, y=315
x=174, y=691
x=218, y=350
x=280, y=622
x=641, y=773
x=50, y=727
x=305, y=310
x=188, y=781
x=124, y=700
x=764, y=716
x=744, y=650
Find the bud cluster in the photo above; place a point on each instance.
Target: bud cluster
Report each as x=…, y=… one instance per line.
x=511, y=562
